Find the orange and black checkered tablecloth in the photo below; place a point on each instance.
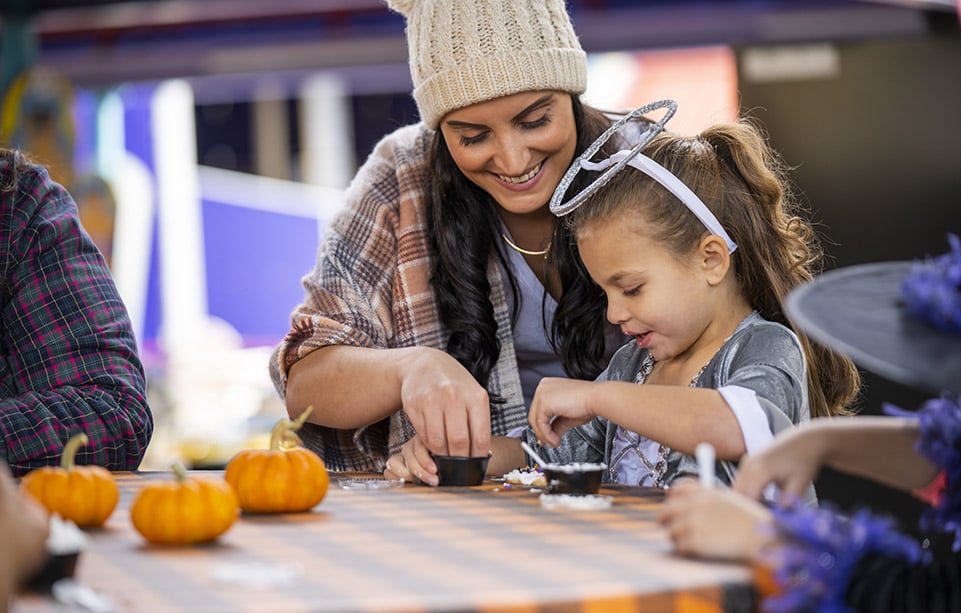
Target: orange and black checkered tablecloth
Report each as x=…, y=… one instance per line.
x=415, y=548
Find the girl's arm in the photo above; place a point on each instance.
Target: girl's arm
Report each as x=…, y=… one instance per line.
x=679, y=417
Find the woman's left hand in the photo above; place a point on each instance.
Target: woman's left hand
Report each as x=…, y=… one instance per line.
x=413, y=463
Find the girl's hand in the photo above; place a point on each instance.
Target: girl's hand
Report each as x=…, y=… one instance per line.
x=791, y=462
x=413, y=464
x=449, y=410
x=715, y=522
x=559, y=405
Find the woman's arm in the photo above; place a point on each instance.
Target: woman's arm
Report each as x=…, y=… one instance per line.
x=350, y=387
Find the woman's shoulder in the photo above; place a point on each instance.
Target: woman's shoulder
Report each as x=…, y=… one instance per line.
x=399, y=158
x=405, y=145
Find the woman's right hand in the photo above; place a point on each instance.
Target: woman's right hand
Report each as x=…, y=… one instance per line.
x=449, y=410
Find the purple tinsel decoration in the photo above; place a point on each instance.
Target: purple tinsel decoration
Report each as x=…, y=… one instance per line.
x=940, y=442
x=932, y=291
x=821, y=549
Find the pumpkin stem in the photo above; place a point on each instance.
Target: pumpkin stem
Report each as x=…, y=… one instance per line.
x=282, y=434
x=179, y=471
x=70, y=450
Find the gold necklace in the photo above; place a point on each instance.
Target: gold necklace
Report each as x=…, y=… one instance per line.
x=513, y=246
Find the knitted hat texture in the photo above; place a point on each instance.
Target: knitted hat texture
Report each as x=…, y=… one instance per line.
x=466, y=51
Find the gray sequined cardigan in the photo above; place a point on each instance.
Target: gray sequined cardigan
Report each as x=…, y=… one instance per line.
x=760, y=355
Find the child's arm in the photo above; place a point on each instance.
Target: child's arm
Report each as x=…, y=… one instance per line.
x=679, y=417
x=877, y=448
x=506, y=455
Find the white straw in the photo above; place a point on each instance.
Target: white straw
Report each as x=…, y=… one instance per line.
x=704, y=452
x=533, y=454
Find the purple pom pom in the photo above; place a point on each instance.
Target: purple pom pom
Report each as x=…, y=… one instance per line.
x=932, y=291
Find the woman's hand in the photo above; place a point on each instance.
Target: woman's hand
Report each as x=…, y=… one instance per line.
x=559, y=405
x=413, y=463
x=449, y=410
x=715, y=522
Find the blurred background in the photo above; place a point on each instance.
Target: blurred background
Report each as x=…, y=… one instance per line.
x=208, y=142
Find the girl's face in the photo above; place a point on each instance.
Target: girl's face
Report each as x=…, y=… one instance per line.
x=516, y=148
x=663, y=300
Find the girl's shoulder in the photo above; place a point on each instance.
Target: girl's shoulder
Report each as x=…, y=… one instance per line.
x=757, y=340
x=625, y=363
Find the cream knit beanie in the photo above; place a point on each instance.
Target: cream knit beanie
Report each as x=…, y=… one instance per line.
x=467, y=51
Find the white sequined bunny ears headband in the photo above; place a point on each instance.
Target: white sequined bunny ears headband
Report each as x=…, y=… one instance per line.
x=635, y=159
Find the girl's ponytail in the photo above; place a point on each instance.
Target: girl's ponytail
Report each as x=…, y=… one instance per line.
x=779, y=250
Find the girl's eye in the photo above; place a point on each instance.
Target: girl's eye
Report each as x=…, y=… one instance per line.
x=467, y=141
x=634, y=291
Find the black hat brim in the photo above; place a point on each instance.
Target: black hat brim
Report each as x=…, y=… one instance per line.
x=858, y=311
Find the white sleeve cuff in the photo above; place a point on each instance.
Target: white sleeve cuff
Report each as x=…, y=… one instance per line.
x=752, y=419
x=517, y=432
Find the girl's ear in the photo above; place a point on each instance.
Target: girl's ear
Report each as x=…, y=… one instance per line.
x=715, y=260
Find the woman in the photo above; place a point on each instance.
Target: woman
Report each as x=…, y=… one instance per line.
x=445, y=290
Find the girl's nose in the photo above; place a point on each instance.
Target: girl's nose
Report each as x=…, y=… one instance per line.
x=615, y=314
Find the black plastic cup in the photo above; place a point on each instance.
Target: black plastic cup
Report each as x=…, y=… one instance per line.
x=55, y=568
x=460, y=470
x=577, y=479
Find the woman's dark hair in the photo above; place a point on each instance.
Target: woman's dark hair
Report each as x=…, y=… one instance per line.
x=744, y=183
x=465, y=231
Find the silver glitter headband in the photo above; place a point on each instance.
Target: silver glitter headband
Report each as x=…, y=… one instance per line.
x=632, y=157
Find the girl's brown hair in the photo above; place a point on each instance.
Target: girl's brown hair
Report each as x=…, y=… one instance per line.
x=736, y=174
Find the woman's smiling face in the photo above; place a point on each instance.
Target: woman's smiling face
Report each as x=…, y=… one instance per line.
x=516, y=148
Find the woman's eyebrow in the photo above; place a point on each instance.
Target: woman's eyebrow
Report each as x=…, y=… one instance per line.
x=465, y=125
x=533, y=106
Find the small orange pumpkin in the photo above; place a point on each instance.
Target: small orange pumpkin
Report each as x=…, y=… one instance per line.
x=86, y=495
x=184, y=511
x=286, y=478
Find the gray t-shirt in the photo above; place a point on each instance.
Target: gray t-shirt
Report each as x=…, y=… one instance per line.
x=535, y=357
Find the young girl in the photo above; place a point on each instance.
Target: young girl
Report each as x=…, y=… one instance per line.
x=694, y=244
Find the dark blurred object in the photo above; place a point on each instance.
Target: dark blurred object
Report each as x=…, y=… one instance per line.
x=573, y=478
x=56, y=567
x=460, y=470
x=64, y=544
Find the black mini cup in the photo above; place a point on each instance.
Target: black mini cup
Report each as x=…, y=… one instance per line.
x=55, y=568
x=460, y=470
x=578, y=479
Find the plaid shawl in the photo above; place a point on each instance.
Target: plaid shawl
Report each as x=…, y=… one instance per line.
x=370, y=288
